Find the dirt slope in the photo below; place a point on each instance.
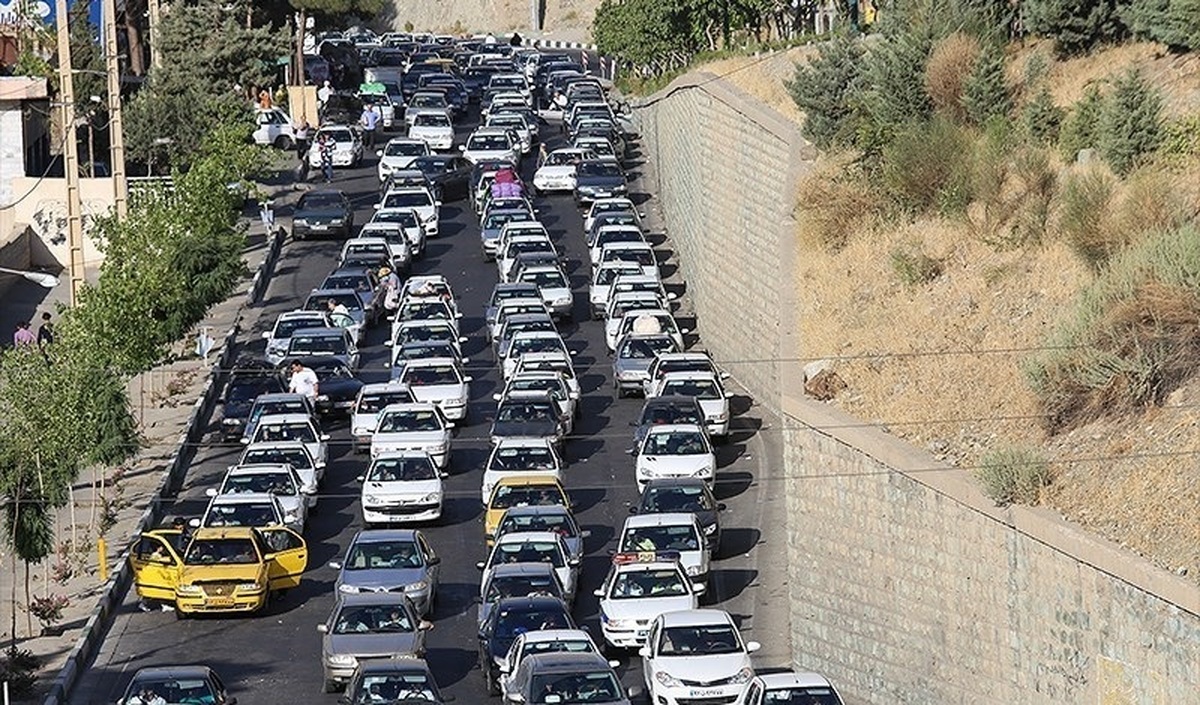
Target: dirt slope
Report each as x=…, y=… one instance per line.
x=567, y=20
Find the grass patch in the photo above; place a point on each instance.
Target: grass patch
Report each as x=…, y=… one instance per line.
x=1083, y=222
x=927, y=166
x=833, y=202
x=1013, y=476
x=946, y=72
x=1131, y=339
x=914, y=266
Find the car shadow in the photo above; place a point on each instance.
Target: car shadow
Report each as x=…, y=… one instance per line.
x=737, y=541
x=731, y=483
x=728, y=583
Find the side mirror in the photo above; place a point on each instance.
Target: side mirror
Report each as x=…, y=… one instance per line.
x=684, y=331
x=323, y=628
x=479, y=565
x=728, y=395
x=633, y=510
x=194, y=523
x=573, y=395
x=497, y=396
x=672, y=296
x=462, y=339
x=360, y=478
x=379, y=152
x=573, y=562
x=458, y=315
x=289, y=518
x=425, y=625
x=631, y=451
x=468, y=378
x=210, y=492
x=752, y=646
x=635, y=691
x=387, y=344
x=450, y=425
x=377, y=206
x=644, y=652
x=721, y=507
x=266, y=335
x=344, y=700
x=434, y=560
x=585, y=534
x=443, y=475
x=699, y=589
x=336, y=565
x=598, y=592
x=245, y=441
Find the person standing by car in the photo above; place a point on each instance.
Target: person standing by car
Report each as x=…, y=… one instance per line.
x=301, y=131
x=369, y=121
x=304, y=381
x=325, y=147
x=390, y=289
x=324, y=92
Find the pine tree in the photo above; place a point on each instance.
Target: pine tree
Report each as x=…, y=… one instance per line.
x=1041, y=118
x=1081, y=129
x=1075, y=25
x=1131, y=122
x=1175, y=23
x=986, y=93
x=827, y=89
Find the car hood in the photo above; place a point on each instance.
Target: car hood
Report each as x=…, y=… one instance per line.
x=320, y=213
x=437, y=392
x=399, y=161
x=647, y=608
x=555, y=171
x=371, y=645
x=712, y=407
x=402, y=490
x=627, y=364
x=341, y=388
x=381, y=579
x=585, y=180
x=364, y=422
x=236, y=409
x=207, y=573
x=703, y=669
x=411, y=438
x=675, y=464
x=524, y=429
x=551, y=293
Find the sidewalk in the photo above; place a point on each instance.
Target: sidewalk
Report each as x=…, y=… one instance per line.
x=110, y=504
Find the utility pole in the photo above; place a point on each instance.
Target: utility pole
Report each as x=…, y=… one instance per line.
x=70, y=151
x=116, y=134
x=153, y=11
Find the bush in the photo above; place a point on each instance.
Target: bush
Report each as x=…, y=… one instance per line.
x=1041, y=118
x=833, y=202
x=1175, y=23
x=913, y=266
x=1131, y=338
x=950, y=63
x=1013, y=475
x=1180, y=138
x=1081, y=128
x=986, y=94
x=827, y=90
x=896, y=95
x=1037, y=186
x=1150, y=202
x=1130, y=122
x=18, y=668
x=927, y=166
x=1084, y=221
x=1074, y=25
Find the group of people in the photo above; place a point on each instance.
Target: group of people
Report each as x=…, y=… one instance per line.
x=370, y=122
x=24, y=335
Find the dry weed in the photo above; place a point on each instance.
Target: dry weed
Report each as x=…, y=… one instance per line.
x=833, y=202
x=946, y=72
x=1085, y=219
x=1149, y=202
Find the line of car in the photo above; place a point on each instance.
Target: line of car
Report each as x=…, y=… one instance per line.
x=248, y=544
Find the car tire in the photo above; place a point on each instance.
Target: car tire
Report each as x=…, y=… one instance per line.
x=284, y=143
x=330, y=686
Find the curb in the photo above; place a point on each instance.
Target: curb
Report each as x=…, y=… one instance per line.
x=114, y=591
x=553, y=44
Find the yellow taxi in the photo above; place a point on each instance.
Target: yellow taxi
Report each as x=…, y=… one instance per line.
x=521, y=491
x=229, y=569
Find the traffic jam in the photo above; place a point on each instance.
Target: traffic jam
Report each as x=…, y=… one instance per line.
x=382, y=367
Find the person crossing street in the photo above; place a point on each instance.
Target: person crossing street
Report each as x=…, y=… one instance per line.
x=370, y=122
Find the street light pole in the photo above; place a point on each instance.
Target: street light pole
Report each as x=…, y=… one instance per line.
x=116, y=134
x=70, y=152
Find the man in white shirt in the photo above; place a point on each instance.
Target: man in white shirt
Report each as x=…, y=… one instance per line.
x=304, y=381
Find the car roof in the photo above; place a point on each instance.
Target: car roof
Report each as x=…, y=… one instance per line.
x=530, y=602
x=258, y=469
x=271, y=419
x=176, y=672
x=528, y=480
x=696, y=618
x=395, y=663
x=523, y=443
x=564, y=661
x=537, y=510
x=278, y=396
x=432, y=362
x=510, y=569
x=318, y=332
x=243, y=498
x=302, y=313
x=672, y=427
x=380, y=535
x=330, y=292
x=373, y=598
x=690, y=375
x=791, y=679
x=223, y=532
x=381, y=387
x=638, y=521
x=409, y=406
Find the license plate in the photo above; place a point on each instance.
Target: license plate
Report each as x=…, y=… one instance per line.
x=320, y=227
x=704, y=693
x=220, y=602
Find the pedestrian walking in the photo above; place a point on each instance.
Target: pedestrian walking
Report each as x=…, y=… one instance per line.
x=325, y=147
x=324, y=92
x=303, y=139
x=45, y=334
x=369, y=121
x=23, y=335
x=304, y=381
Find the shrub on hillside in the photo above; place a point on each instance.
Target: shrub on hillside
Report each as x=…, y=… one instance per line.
x=1041, y=118
x=1013, y=476
x=1074, y=25
x=1130, y=122
x=946, y=72
x=1180, y=139
x=895, y=97
x=913, y=266
x=1084, y=221
x=986, y=93
x=1131, y=338
x=1175, y=23
x=826, y=89
x=927, y=166
x=834, y=201
x=1081, y=127
x=1036, y=185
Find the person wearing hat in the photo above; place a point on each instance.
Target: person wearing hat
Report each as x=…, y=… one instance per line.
x=389, y=284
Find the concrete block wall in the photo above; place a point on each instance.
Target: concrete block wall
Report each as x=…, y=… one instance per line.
x=726, y=169
x=908, y=586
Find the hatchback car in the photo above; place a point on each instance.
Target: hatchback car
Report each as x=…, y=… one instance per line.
x=638, y=588
x=287, y=324
x=678, y=532
x=401, y=486
x=391, y=560
x=534, y=547
x=517, y=580
x=546, y=641
x=696, y=654
x=520, y=456
x=364, y=415
x=675, y=450
x=439, y=381
x=362, y=626
x=632, y=359
x=177, y=684
x=684, y=494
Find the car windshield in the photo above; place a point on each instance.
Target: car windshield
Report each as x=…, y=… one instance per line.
x=488, y=142
x=360, y=282
x=661, y=538
x=172, y=691
x=564, y=688
x=426, y=349
x=529, y=552
x=526, y=246
x=428, y=100
x=522, y=586
x=422, y=310
x=405, y=219
x=571, y=158
x=339, y=135
x=249, y=388
x=372, y=619
x=409, y=421
x=554, y=385
x=675, y=443
x=296, y=457
x=431, y=120
x=622, y=307
x=506, y=82
x=642, y=256
x=607, y=275
x=394, y=688
x=222, y=551
x=699, y=388
x=348, y=299
x=304, y=344
x=278, y=406
x=321, y=199
x=366, y=248
x=507, y=497
x=432, y=165
x=526, y=411
x=812, y=695
x=559, y=523
x=405, y=149
x=512, y=327
x=327, y=370
x=286, y=432
x=376, y=555
x=598, y=168
x=523, y=458
x=545, y=280
x=242, y=514
x=270, y=483
x=401, y=470
x=703, y=640
x=412, y=199
x=538, y=344
x=659, y=582
x=426, y=376
x=499, y=295
x=557, y=646
x=677, y=499
x=513, y=623
x=376, y=402
x=286, y=326
x=497, y=220
x=645, y=348
x=617, y=234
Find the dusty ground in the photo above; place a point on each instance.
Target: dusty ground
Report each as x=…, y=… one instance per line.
x=564, y=20
x=941, y=364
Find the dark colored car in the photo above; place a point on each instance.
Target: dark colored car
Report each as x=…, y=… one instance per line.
x=529, y=415
x=449, y=175
x=316, y=70
x=404, y=680
x=665, y=495
x=487, y=166
x=177, y=684
x=247, y=381
x=344, y=67
x=323, y=213
x=341, y=109
x=475, y=78
x=337, y=387
x=667, y=410
x=598, y=178
x=510, y=618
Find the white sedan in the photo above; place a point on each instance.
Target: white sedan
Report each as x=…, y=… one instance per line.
x=535, y=547
x=413, y=427
x=279, y=480
x=557, y=172
x=439, y=381
x=675, y=450
x=638, y=588
x=520, y=456
x=401, y=487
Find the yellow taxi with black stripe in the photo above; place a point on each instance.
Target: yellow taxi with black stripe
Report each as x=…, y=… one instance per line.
x=217, y=570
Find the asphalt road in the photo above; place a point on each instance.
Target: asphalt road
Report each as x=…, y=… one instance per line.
x=275, y=657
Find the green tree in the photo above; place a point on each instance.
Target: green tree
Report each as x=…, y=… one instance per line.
x=1075, y=25
x=1175, y=23
x=894, y=70
x=1041, y=118
x=651, y=36
x=986, y=93
x=1081, y=128
x=1130, y=122
x=827, y=89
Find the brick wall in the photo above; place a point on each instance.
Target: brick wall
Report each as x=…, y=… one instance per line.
x=725, y=169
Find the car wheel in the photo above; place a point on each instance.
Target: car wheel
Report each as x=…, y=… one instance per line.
x=489, y=680
x=283, y=143
x=331, y=686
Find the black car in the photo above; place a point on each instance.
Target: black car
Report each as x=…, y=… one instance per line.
x=177, y=684
x=475, y=78
x=449, y=175
x=510, y=618
x=323, y=213
x=344, y=67
x=341, y=109
x=388, y=680
x=529, y=415
x=666, y=410
x=598, y=178
x=665, y=495
x=337, y=387
x=247, y=381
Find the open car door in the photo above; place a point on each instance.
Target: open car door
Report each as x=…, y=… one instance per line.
x=286, y=556
x=156, y=565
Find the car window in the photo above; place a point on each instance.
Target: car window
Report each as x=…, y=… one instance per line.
x=510, y=623
x=558, y=523
x=425, y=376
x=372, y=619
x=409, y=199
x=522, y=458
x=296, y=457
x=699, y=640
x=431, y=120
x=380, y=555
x=409, y=421
x=700, y=388
x=194, y=691
x=661, y=538
x=586, y=687
x=677, y=499
x=242, y=514
x=317, y=344
x=395, y=687
x=522, y=586
x=507, y=497
x=221, y=551
x=376, y=402
x=405, y=149
x=279, y=483
x=801, y=696
x=401, y=470
x=675, y=443
x=667, y=582
x=645, y=348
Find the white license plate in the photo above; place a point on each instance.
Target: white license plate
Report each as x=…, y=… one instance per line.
x=320, y=227
x=704, y=693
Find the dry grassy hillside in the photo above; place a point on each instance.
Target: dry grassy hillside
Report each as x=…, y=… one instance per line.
x=942, y=363
x=568, y=20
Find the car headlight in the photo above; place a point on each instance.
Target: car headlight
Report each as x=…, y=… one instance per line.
x=299, y=221
x=370, y=499
x=432, y=497
x=434, y=449
x=342, y=660
x=561, y=301
x=249, y=587
x=710, y=529
x=188, y=590
x=322, y=397
x=742, y=676
x=351, y=589
x=336, y=221
x=667, y=680
x=419, y=586
x=495, y=440
x=703, y=472
x=362, y=431
x=720, y=417
x=694, y=570
x=230, y=422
